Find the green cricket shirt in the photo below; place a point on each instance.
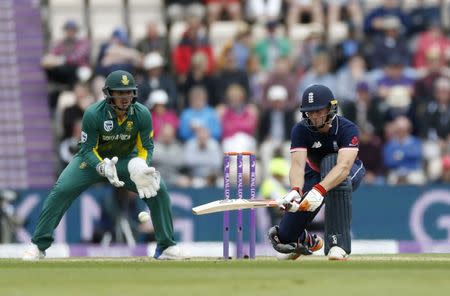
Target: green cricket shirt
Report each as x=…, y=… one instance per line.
x=102, y=135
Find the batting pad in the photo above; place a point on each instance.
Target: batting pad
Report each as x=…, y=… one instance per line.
x=338, y=210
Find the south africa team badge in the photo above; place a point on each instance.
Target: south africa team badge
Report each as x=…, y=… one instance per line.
x=108, y=125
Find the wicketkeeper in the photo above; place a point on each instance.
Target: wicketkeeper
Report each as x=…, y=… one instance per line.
x=116, y=144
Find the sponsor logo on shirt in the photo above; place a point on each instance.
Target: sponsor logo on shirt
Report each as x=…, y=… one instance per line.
x=354, y=142
x=83, y=137
x=122, y=137
x=108, y=125
x=316, y=145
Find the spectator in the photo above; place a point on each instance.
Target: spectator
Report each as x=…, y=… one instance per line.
x=313, y=44
x=216, y=7
x=257, y=79
x=153, y=41
x=203, y=158
x=262, y=11
x=199, y=114
x=157, y=103
x=390, y=42
x=403, y=155
x=296, y=8
x=370, y=148
x=167, y=158
x=73, y=114
x=435, y=127
x=69, y=146
x=278, y=118
x=117, y=54
x=227, y=75
x=65, y=60
x=195, y=39
x=281, y=75
x=198, y=76
x=97, y=88
x=320, y=73
x=430, y=72
x=353, y=9
x=242, y=47
x=180, y=10
x=349, y=47
x=348, y=77
x=67, y=56
x=374, y=20
x=424, y=13
x=156, y=78
x=393, y=75
x=237, y=116
x=275, y=124
x=272, y=46
x=437, y=117
x=431, y=42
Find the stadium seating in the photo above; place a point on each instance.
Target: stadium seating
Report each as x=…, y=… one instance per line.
x=27, y=158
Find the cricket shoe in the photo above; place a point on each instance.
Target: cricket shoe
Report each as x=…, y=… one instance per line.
x=170, y=253
x=33, y=254
x=337, y=253
x=312, y=243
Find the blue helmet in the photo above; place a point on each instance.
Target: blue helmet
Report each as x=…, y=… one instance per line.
x=317, y=97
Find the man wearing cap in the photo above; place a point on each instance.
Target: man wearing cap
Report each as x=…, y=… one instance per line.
x=66, y=57
x=391, y=42
x=161, y=115
x=324, y=170
x=116, y=145
x=155, y=79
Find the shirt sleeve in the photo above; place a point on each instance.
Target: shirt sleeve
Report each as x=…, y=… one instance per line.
x=298, y=138
x=144, y=142
x=349, y=138
x=89, y=140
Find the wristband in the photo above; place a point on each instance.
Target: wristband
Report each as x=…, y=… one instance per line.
x=320, y=188
x=296, y=189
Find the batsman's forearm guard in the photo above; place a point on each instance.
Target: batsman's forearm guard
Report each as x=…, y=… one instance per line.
x=338, y=209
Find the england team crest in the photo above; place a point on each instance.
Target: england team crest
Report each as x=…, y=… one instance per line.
x=108, y=125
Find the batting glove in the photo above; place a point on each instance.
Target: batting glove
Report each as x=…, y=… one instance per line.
x=290, y=202
x=313, y=199
x=107, y=168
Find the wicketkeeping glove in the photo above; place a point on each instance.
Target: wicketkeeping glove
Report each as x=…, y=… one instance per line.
x=146, y=178
x=107, y=168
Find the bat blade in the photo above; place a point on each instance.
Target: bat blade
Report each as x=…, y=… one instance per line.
x=232, y=204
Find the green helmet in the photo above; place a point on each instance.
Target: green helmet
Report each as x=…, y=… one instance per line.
x=119, y=80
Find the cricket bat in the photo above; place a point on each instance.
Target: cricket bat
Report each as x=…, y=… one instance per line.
x=233, y=204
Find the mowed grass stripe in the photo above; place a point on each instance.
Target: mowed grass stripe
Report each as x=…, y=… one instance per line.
x=363, y=275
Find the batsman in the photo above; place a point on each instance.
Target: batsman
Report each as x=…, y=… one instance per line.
x=324, y=169
x=116, y=144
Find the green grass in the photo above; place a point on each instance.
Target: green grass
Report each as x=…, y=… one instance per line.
x=369, y=275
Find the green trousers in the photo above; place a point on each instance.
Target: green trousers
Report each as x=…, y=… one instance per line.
x=75, y=179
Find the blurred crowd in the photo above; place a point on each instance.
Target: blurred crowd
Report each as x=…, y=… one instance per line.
x=390, y=73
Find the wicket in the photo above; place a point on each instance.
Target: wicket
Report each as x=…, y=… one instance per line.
x=240, y=194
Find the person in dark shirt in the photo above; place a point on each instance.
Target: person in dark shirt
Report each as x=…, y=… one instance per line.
x=324, y=150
